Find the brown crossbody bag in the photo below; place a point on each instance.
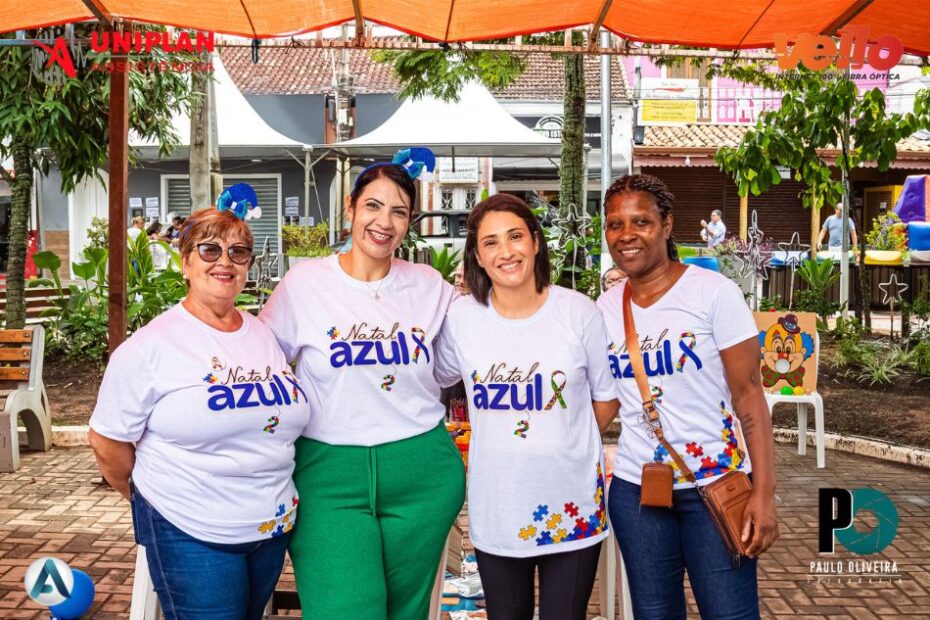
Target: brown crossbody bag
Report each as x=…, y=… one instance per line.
x=725, y=498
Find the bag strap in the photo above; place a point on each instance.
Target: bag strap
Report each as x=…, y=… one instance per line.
x=639, y=373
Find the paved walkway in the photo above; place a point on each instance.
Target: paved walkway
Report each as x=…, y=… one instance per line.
x=54, y=505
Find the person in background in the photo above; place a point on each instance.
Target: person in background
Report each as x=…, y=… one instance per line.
x=611, y=277
x=174, y=231
x=153, y=231
x=532, y=355
x=461, y=286
x=833, y=226
x=713, y=232
x=195, y=425
x=136, y=228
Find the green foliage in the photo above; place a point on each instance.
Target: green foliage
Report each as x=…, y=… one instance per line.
x=820, y=277
x=98, y=234
x=78, y=325
x=920, y=358
x=589, y=283
x=880, y=366
x=445, y=262
x=919, y=310
x=306, y=240
x=819, y=111
x=888, y=233
x=66, y=122
x=443, y=72
x=772, y=304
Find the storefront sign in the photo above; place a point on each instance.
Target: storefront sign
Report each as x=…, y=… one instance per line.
x=819, y=51
x=466, y=170
x=668, y=101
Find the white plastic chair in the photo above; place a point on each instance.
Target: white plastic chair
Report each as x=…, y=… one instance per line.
x=813, y=399
x=144, y=603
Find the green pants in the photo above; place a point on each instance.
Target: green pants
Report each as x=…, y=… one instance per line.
x=372, y=525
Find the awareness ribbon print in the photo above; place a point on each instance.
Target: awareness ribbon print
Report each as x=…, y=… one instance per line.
x=557, y=389
x=684, y=357
x=418, y=336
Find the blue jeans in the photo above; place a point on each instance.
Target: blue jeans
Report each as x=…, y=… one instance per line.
x=198, y=580
x=658, y=544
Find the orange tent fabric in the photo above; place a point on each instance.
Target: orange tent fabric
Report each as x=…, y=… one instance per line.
x=699, y=23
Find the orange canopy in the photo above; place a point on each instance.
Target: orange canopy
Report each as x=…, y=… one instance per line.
x=699, y=23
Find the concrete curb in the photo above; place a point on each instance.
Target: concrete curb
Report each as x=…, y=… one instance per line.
x=75, y=436
x=862, y=446
x=63, y=436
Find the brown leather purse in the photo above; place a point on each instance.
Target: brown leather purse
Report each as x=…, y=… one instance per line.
x=725, y=498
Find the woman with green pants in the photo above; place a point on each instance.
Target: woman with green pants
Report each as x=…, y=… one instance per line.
x=379, y=479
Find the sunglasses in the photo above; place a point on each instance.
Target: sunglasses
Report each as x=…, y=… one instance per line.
x=211, y=252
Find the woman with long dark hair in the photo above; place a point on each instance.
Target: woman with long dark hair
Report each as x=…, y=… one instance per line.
x=538, y=385
x=382, y=477
x=700, y=351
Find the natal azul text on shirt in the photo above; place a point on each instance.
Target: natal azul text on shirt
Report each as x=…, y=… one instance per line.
x=660, y=356
x=366, y=345
x=237, y=388
x=509, y=388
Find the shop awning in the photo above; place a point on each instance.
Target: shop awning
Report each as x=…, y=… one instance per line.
x=700, y=23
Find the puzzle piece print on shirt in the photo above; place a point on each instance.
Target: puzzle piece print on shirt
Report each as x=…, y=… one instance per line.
x=544, y=539
x=571, y=509
x=332, y=332
x=267, y=526
x=560, y=535
x=527, y=532
x=541, y=511
x=694, y=450
x=280, y=511
x=553, y=521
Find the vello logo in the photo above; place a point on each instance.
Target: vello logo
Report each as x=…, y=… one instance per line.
x=49, y=581
x=839, y=509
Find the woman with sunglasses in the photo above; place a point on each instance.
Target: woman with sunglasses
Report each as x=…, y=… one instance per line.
x=195, y=424
x=383, y=478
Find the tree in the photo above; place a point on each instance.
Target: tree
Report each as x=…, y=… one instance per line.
x=64, y=121
x=820, y=111
x=444, y=71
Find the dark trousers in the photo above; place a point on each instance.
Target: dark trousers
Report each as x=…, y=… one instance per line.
x=565, y=583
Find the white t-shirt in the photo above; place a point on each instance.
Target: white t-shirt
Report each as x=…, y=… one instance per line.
x=681, y=336
x=214, y=416
x=535, y=464
x=132, y=233
x=367, y=363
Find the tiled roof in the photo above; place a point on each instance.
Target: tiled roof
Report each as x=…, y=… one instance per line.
x=543, y=80
x=711, y=136
x=309, y=71
x=303, y=71
x=694, y=136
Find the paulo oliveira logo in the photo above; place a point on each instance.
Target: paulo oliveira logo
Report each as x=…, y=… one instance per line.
x=67, y=592
x=840, y=512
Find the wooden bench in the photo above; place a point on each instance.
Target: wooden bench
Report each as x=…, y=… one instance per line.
x=22, y=394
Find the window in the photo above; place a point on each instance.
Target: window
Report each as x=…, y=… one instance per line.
x=446, y=198
x=470, y=196
x=456, y=197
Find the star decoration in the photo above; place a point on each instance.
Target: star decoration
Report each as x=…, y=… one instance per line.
x=755, y=261
x=264, y=265
x=892, y=290
x=793, y=250
x=571, y=225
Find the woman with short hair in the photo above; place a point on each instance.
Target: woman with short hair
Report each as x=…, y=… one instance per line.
x=195, y=424
x=700, y=350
